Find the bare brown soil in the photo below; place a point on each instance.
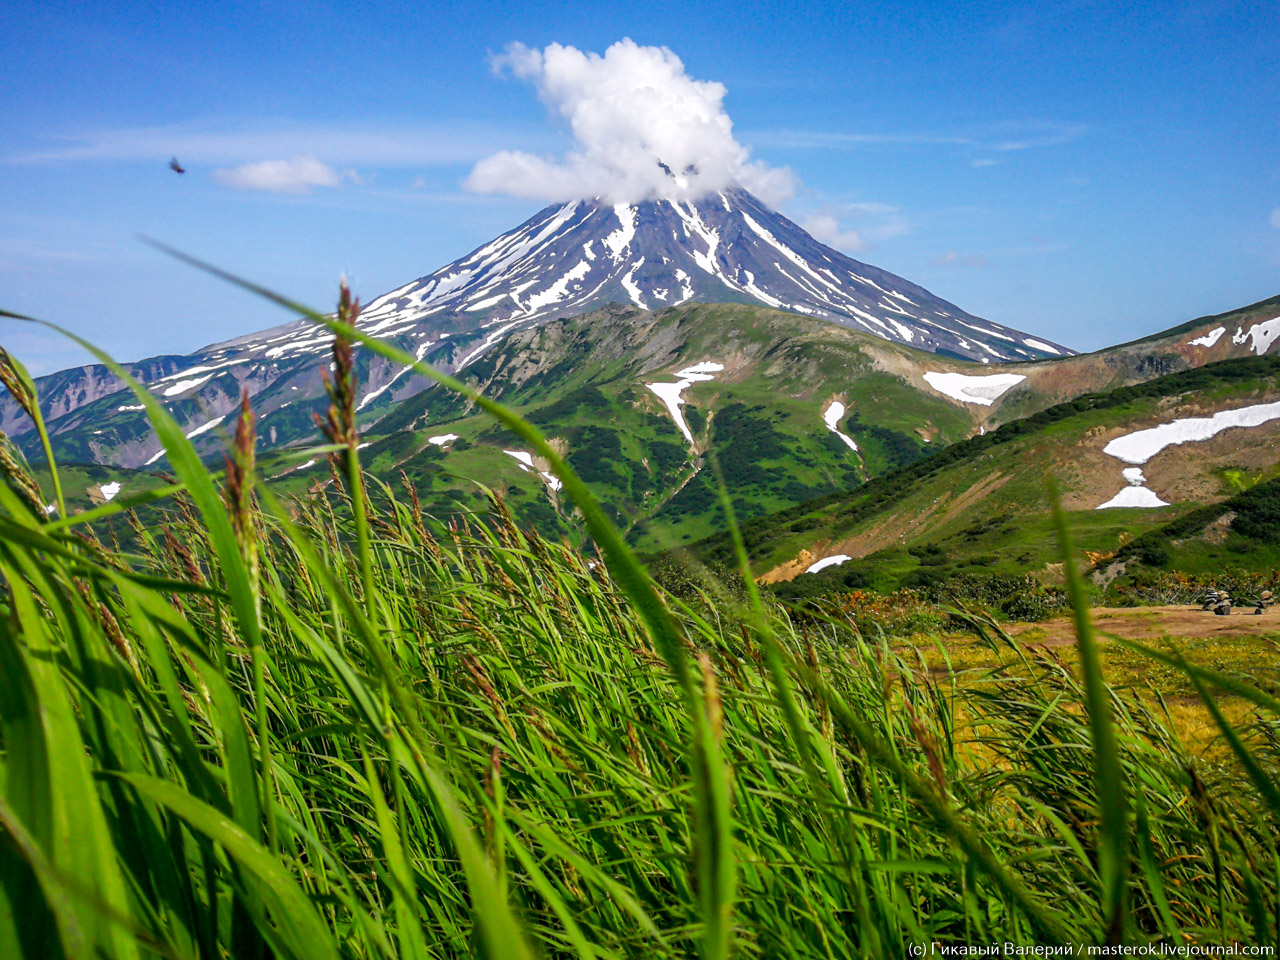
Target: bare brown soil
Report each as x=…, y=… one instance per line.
x=1152, y=623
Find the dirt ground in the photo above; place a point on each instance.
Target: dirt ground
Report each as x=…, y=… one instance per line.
x=1151, y=623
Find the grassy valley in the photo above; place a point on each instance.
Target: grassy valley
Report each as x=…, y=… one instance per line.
x=349, y=727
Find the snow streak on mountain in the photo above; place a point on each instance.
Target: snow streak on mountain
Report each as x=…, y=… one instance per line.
x=726, y=247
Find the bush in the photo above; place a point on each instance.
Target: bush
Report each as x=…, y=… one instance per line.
x=1033, y=607
x=1155, y=553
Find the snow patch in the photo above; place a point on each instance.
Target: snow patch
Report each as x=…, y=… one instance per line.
x=486, y=303
x=526, y=464
x=686, y=286
x=1262, y=334
x=1209, y=339
x=971, y=389
x=1135, y=494
x=825, y=562
x=630, y=285
x=1141, y=445
x=1134, y=497
x=131, y=406
x=620, y=239
x=184, y=385
x=202, y=369
x=558, y=290
x=670, y=393
x=374, y=394
x=206, y=427
x=832, y=417
x=109, y=490
x=1041, y=345
x=904, y=331
x=442, y=439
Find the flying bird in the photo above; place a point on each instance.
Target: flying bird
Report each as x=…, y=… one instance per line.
x=175, y=166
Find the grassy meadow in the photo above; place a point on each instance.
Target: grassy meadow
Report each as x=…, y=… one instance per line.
x=334, y=726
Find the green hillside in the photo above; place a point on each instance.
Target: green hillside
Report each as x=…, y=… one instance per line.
x=981, y=506
x=583, y=381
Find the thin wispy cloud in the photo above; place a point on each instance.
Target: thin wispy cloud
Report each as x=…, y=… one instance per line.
x=854, y=226
x=22, y=255
x=1275, y=218
x=642, y=129
x=388, y=144
x=827, y=229
x=1004, y=137
x=954, y=258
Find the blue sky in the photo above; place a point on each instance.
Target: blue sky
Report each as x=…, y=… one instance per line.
x=1089, y=172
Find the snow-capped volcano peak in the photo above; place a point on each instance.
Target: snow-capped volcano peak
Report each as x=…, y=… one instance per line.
x=727, y=246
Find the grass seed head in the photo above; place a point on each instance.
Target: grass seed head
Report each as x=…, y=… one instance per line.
x=18, y=384
x=20, y=479
x=339, y=423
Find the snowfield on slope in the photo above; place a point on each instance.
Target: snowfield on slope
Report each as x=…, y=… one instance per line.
x=833, y=561
x=1134, y=497
x=1136, y=494
x=1262, y=334
x=1209, y=339
x=670, y=393
x=832, y=417
x=1141, y=445
x=526, y=464
x=971, y=389
x=526, y=459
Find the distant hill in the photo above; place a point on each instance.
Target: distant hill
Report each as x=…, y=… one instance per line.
x=1131, y=463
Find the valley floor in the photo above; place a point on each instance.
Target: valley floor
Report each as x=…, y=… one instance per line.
x=1240, y=645
x=1157, y=623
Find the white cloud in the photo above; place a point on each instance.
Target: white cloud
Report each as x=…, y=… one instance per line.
x=298, y=175
x=853, y=226
x=826, y=229
x=642, y=128
x=1275, y=218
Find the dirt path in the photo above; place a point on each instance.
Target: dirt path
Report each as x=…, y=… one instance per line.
x=1151, y=623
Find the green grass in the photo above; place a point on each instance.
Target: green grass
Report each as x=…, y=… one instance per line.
x=335, y=726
